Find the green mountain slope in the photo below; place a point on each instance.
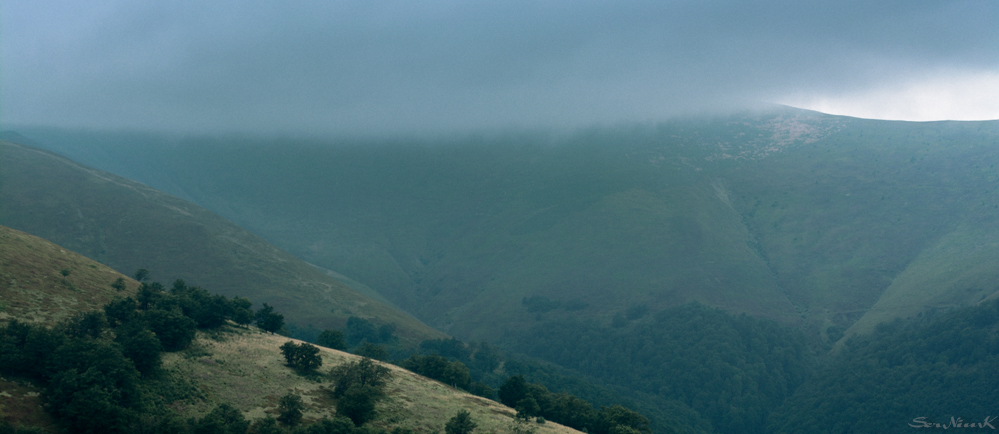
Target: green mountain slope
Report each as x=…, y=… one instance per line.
x=787, y=214
x=936, y=371
x=128, y=226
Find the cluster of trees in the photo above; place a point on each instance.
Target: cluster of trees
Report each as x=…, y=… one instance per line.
x=225, y=419
x=101, y=370
x=533, y=400
x=365, y=337
x=731, y=370
x=934, y=367
x=360, y=330
x=473, y=367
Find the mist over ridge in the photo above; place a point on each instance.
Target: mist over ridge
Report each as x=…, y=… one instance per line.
x=756, y=212
x=443, y=66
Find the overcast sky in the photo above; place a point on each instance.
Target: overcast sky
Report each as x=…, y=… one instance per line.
x=302, y=66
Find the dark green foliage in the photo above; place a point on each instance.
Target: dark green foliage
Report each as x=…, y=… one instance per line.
x=527, y=408
x=8, y=428
x=241, y=312
x=386, y=333
x=150, y=295
x=141, y=274
x=935, y=367
x=25, y=348
x=85, y=404
x=174, y=330
x=481, y=389
x=267, y=425
x=450, y=348
x=359, y=330
x=207, y=310
x=334, y=339
x=461, y=423
x=86, y=325
x=571, y=411
x=618, y=416
x=140, y=345
x=94, y=388
x=565, y=407
x=486, y=358
x=372, y=351
x=338, y=425
x=302, y=357
x=269, y=321
x=99, y=379
x=513, y=390
x=454, y=374
x=357, y=386
x=362, y=373
x=358, y=403
x=120, y=311
x=119, y=284
x=290, y=408
x=732, y=370
x=223, y=419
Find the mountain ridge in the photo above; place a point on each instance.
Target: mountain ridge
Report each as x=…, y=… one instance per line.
x=828, y=210
x=130, y=226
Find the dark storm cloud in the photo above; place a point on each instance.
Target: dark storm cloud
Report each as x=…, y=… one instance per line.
x=314, y=66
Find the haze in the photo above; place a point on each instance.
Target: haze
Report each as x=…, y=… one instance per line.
x=317, y=67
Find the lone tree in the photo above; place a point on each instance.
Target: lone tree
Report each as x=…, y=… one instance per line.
x=290, y=407
x=461, y=423
x=269, y=321
x=357, y=386
x=119, y=284
x=364, y=373
x=303, y=357
x=141, y=274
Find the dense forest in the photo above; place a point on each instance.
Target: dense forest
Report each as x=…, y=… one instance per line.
x=732, y=370
x=932, y=371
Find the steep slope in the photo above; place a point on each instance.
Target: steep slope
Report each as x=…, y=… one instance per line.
x=787, y=214
x=242, y=367
x=874, y=211
x=42, y=282
x=128, y=226
x=245, y=369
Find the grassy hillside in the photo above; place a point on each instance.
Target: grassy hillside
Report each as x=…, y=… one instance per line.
x=127, y=226
x=44, y=283
x=239, y=366
x=245, y=369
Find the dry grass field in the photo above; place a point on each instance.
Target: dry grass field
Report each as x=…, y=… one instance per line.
x=245, y=368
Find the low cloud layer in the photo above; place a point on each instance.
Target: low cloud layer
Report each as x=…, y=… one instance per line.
x=374, y=67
